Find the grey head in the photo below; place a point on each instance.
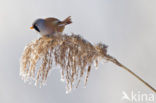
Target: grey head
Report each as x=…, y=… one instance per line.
x=39, y=26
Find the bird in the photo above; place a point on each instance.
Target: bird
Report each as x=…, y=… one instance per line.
x=50, y=26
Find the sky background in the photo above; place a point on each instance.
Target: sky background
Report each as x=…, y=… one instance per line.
x=128, y=27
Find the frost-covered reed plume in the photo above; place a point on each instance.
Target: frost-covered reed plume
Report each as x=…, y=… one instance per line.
x=73, y=54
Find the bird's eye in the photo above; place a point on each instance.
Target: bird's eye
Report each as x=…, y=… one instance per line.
x=36, y=28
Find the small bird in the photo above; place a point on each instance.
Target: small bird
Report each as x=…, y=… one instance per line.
x=50, y=26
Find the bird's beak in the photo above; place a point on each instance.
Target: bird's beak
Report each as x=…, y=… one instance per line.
x=32, y=27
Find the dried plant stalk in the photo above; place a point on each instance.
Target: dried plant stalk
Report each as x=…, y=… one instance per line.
x=73, y=54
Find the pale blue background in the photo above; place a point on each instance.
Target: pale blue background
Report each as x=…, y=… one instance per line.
x=127, y=26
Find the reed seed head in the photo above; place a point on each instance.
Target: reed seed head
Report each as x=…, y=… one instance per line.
x=73, y=54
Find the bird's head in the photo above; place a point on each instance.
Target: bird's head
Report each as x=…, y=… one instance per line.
x=38, y=25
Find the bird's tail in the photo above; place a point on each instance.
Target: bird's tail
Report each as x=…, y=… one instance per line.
x=67, y=21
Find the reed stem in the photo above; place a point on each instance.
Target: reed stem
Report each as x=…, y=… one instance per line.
x=115, y=61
